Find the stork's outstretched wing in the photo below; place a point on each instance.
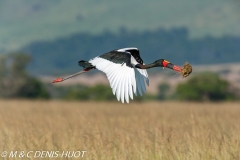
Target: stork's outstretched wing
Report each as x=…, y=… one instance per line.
x=124, y=79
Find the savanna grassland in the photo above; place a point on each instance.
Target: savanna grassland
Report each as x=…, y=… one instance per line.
x=137, y=131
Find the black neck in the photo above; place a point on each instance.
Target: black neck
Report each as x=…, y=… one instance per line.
x=147, y=66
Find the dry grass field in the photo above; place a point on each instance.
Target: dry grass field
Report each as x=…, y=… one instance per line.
x=138, y=131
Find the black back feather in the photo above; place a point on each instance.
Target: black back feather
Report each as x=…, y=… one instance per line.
x=118, y=57
x=135, y=53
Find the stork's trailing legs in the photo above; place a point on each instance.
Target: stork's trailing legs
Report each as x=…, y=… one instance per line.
x=73, y=75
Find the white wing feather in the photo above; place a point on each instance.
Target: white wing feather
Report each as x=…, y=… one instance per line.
x=138, y=82
x=123, y=79
x=141, y=79
x=118, y=91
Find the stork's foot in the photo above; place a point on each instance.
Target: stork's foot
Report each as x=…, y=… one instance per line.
x=57, y=80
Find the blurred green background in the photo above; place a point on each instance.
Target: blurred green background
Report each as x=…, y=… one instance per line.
x=43, y=39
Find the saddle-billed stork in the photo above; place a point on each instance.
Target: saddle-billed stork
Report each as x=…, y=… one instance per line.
x=124, y=69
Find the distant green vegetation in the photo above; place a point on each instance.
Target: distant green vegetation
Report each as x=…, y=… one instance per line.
x=163, y=91
x=15, y=81
x=62, y=55
x=205, y=87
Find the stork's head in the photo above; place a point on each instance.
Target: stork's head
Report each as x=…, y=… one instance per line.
x=164, y=63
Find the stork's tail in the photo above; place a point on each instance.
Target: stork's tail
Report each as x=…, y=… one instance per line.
x=86, y=64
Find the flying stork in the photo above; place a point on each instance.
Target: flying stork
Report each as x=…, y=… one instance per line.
x=124, y=69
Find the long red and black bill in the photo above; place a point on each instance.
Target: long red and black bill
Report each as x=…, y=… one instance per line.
x=171, y=66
